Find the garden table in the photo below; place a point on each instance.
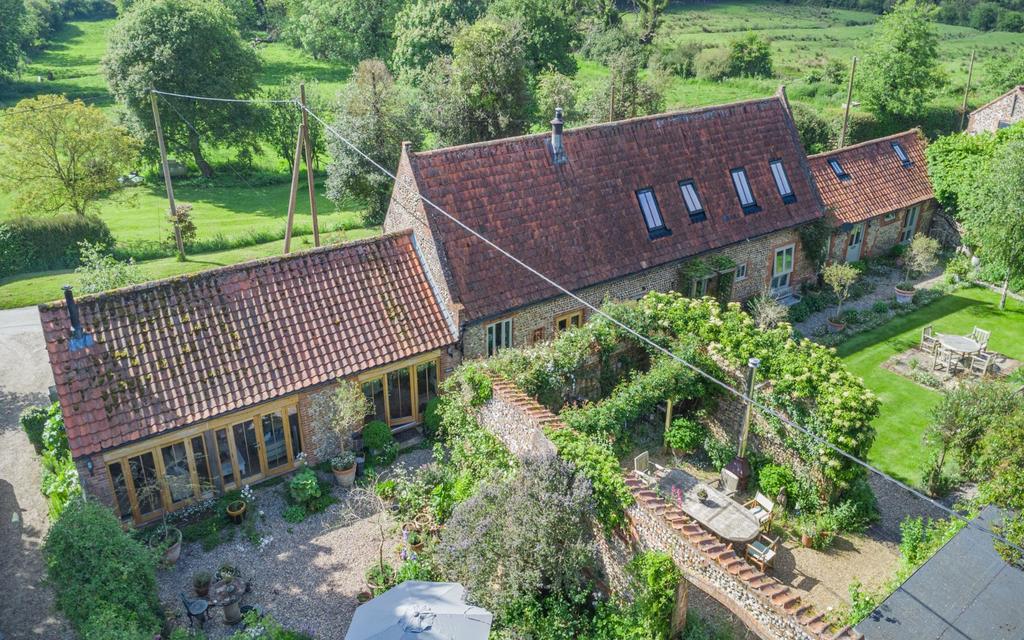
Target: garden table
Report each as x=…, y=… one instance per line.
x=722, y=515
x=959, y=345
x=228, y=594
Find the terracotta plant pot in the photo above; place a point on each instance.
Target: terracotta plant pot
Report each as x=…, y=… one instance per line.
x=364, y=596
x=835, y=326
x=345, y=477
x=236, y=511
x=806, y=540
x=173, y=552
x=421, y=522
x=904, y=297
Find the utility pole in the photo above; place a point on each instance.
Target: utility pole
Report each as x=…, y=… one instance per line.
x=309, y=164
x=849, y=98
x=167, y=176
x=967, y=90
x=294, y=192
x=611, y=105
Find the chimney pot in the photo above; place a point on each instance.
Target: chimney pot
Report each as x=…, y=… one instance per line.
x=79, y=339
x=557, y=147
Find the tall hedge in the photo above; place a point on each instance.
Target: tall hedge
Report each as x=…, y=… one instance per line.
x=100, y=573
x=42, y=243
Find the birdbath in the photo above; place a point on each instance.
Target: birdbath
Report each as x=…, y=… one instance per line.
x=228, y=594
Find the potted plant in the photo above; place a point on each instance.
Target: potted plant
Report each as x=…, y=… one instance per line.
x=201, y=583
x=702, y=494
x=808, y=530
x=415, y=540
x=169, y=539
x=921, y=257
x=421, y=522
x=236, y=510
x=344, y=467
x=364, y=596
x=380, y=577
x=228, y=571
x=840, y=277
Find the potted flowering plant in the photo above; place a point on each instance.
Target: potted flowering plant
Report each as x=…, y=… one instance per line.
x=236, y=508
x=921, y=257
x=344, y=467
x=415, y=540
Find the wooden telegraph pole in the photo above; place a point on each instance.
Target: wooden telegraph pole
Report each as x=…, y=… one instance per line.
x=303, y=152
x=167, y=176
x=967, y=91
x=849, y=98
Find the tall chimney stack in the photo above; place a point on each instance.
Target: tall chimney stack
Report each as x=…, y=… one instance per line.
x=557, y=148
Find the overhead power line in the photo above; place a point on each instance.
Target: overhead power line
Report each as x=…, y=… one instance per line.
x=742, y=395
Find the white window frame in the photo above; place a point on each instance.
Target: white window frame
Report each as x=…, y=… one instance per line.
x=909, y=224
x=782, y=181
x=691, y=198
x=780, y=278
x=499, y=336
x=653, y=219
x=889, y=217
x=740, y=273
x=741, y=183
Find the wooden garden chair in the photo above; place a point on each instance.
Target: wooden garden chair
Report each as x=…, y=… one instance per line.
x=928, y=340
x=981, y=363
x=761, y=552
x=762, y=508
x=981, y=337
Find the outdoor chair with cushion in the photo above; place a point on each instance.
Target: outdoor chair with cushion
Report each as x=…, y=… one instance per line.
x=980, y=364
x=928, y=340
x=196, y=609
x=761, y=552
x=762, y=508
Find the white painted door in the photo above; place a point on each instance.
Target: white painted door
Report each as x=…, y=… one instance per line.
x=782, y=266
x=856, y=240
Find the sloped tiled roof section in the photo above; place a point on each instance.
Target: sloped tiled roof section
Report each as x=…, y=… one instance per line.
x=180, y=351
x=580, y=222
x=879, y=181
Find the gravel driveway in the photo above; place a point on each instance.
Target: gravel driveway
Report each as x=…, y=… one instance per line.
x=26, y=604
x=306, y=575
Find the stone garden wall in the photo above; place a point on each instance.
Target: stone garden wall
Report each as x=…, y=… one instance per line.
x=769, y=608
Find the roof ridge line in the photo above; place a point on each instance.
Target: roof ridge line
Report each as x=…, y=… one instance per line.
x=865, y=143
x=238, y=266
x=597, y=125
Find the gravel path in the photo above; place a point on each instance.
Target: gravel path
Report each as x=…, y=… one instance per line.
x=26, y=605
x=306, y=575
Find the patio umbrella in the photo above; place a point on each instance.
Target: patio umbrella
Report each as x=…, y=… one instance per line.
x=417, y=610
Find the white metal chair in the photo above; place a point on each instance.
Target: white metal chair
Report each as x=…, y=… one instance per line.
x=761, y=552
x=762, y=508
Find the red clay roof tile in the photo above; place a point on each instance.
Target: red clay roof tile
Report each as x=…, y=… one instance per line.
x=175, y=352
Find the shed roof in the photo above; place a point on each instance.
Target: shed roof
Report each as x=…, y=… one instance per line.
x=580, y=222
x=175, y=352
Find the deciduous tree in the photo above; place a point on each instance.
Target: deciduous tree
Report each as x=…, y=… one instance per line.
x=188, y=47
x=547, y=29
x=57, y=155
x=901, y=70
x=624, y=95
x=11, y=13
x=425, y=29
x=377, y=115
x=345, y=29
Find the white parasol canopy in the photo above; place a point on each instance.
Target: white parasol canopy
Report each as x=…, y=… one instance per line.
x=416, y=610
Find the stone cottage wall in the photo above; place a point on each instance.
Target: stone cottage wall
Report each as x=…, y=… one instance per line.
x=1006, y=109
x=766, y=606
x=879, y=235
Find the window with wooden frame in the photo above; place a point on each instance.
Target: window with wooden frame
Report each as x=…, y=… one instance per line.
x=399, y=396
x=499, y=336
x=569, y=320
x=740, y=273
x=537, y=336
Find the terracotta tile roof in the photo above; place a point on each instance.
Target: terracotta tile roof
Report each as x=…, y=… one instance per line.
x=879, y=182
x=180, y=351
x=580, y=222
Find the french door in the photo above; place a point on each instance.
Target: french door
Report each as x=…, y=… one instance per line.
x=782, y=267
x=400, y=396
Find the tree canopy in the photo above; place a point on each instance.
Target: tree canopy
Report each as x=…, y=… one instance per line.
x=548, y=31
x=11, y=13
x=190, y=47
x=377, y=115
x=901, y=70
x=344, y=29
x=57, y=155
x=424, y=30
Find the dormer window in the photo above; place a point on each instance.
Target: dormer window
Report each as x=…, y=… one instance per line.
x=838, y=169
x=692, y=200
x=782, y=181
x=901, y=153
x=743, y=192
x=652, y=214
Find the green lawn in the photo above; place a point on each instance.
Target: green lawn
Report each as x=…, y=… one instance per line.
x=906, y=405
x=34, y=288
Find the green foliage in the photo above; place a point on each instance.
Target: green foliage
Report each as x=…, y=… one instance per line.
x=634, y=95
x=556, y=90
x=424, y=30
x=295, y=513
x=773, y=478
x=347, y=30
x=999, y=463
x=750, y=56
x=431, y=418
x=985, y=15
x=816, y=133
x=11, y=15
x=97, y=569
x=41, y=243
x=416, y=569
x=32, y=421
x=377, y=115
x=483, y=91
x=377, y=435
x=59, y=482
x=303, y=488
x=720, y=453
x=257, y=627
x=686, y=434
x=112, y=622
x=840, y=276
x=597, y=462
x=901, y=69
x=680, y=60
x=713, y=64
x=653, y=580
x=191, y=47
x=548, y=31
x=101, y=271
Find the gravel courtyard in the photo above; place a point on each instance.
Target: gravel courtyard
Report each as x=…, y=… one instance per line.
x=306, y=575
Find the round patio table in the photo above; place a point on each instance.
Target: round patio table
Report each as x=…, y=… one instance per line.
x=228, y=594
x=959, y=344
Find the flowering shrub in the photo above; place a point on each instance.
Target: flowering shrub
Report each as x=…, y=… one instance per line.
x=595, y=460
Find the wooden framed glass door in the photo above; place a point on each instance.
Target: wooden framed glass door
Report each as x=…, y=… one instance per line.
x=399, y=396
x=275, y=441
x=177, y=474
x=247, y=451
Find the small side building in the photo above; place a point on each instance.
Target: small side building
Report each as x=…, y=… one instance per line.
x=877, y=194
x=173, y=391
x=966, y=591
x=999, y=113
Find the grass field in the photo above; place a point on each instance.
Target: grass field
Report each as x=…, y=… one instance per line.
x=34, y=288
x=906, y=406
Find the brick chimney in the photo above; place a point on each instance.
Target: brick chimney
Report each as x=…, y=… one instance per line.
x=557, y=148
